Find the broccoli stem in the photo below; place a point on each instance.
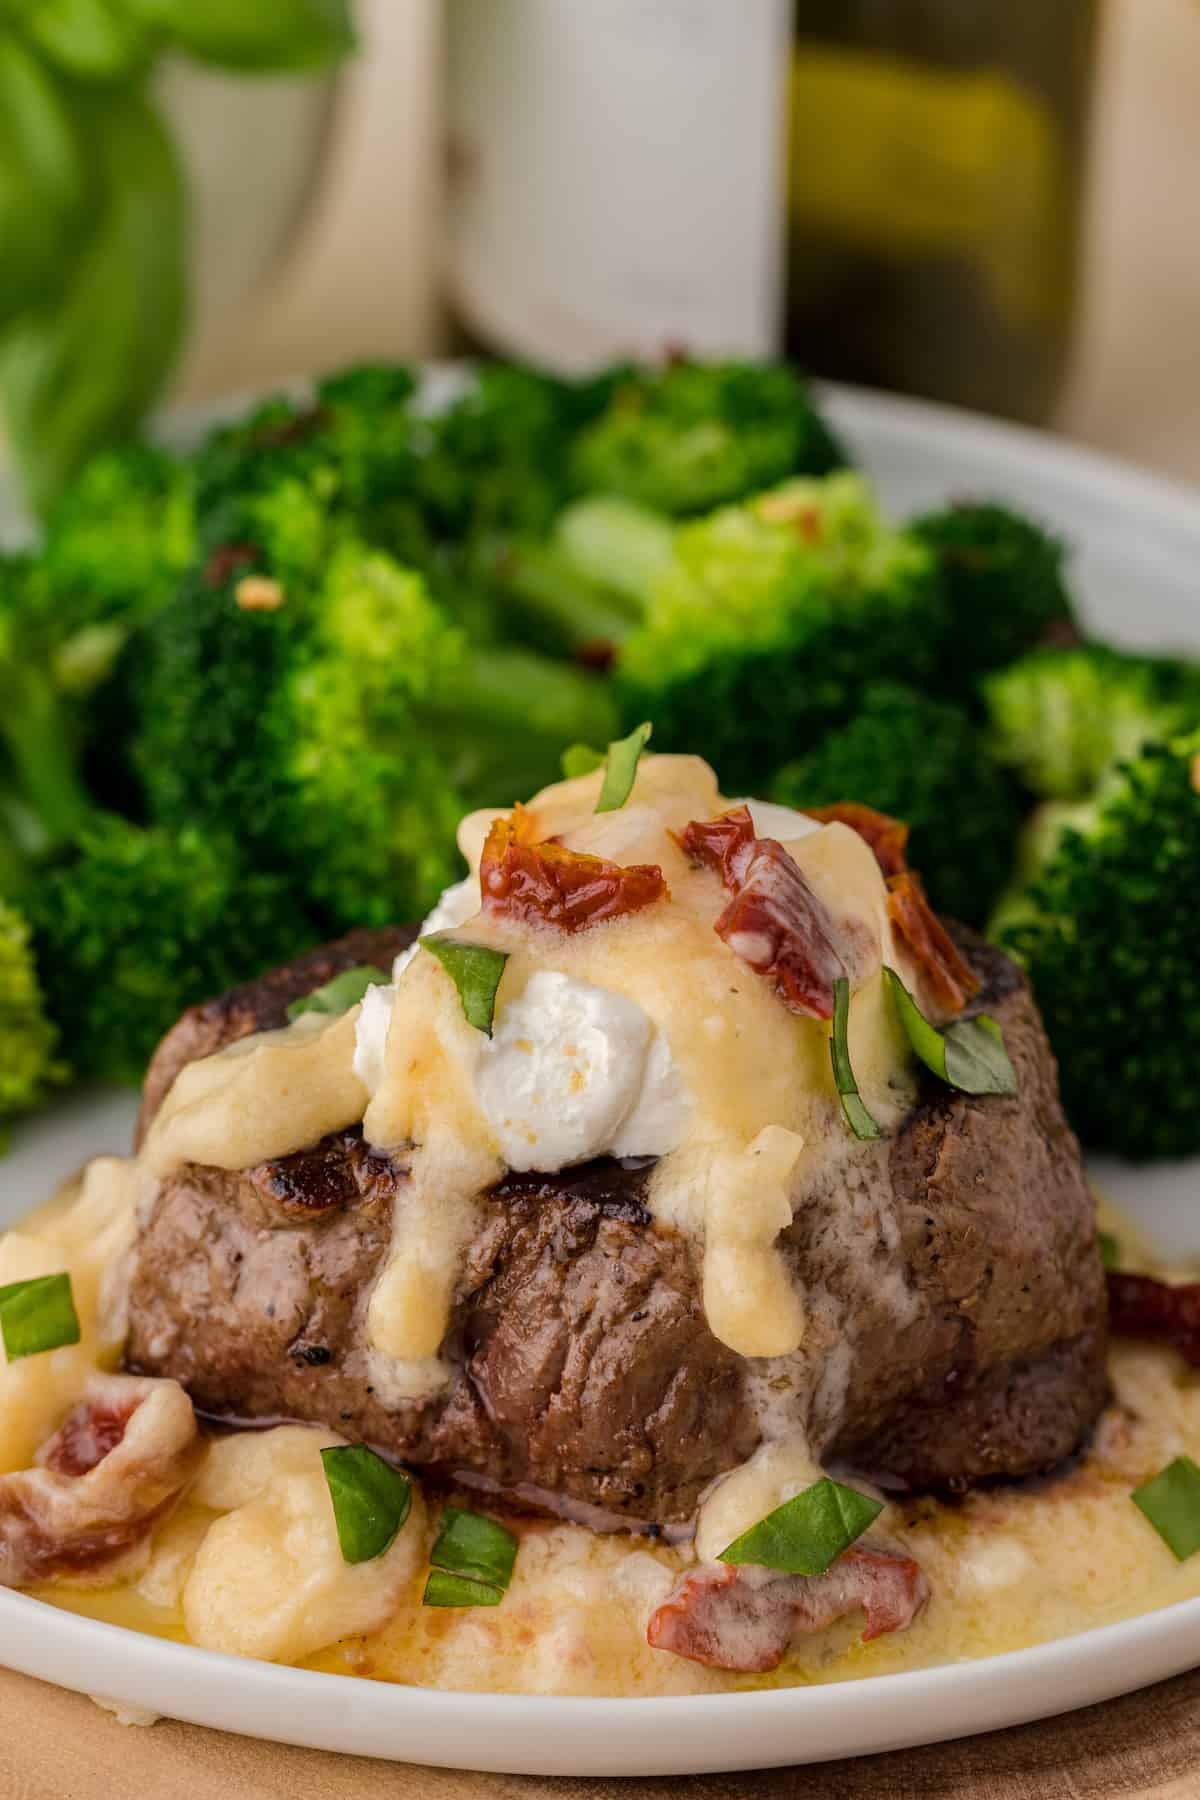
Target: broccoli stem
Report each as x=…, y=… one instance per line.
x=35, y=733
x=569, y=611
x=511, y=690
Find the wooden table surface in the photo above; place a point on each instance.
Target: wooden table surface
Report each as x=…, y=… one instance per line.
x=59, y=1746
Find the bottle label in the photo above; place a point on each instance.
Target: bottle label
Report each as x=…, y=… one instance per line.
x=891, y=156
x=617, y=175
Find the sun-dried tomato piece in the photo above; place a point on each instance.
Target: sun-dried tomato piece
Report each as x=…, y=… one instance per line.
x=945, y=977
x=886, y=836
x=101, y=1483
x=773, y=921
x=549, y=885
x=1141, y=1307
x=747, y=1618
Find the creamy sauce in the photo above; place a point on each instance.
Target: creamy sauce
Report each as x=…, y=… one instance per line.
x=1009, y=1567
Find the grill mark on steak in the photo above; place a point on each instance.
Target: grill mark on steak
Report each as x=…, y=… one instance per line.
x=583, y=1372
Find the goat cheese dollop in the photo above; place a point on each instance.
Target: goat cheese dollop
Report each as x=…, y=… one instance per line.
x=575, y=1071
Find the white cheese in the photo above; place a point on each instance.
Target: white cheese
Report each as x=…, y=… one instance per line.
x=575, y=1071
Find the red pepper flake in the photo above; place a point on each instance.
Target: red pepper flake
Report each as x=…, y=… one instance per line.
x=947, y=980
x=773, y=921
x=546, y=884
x=886, y=837
x=1141, y=1307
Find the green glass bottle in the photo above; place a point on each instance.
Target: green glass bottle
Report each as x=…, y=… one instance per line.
x=935, y=160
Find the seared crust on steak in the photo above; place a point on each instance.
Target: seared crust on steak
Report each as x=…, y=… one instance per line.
x=583, y=1373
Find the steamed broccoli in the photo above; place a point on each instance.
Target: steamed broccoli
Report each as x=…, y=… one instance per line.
x=1100, y=909
x=1005, y=590
x=1103, y=924
x=1061, y=718
x=28, y=1040
x=923, y=761
x=749, y=632
x=691, y=436
x=133, y=925
x=343, y=730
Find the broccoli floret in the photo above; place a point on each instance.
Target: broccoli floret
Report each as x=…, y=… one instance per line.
x=1005, y=588
x=134, y=925
x=38, y=733
x=749, y=632
x=115, y=544
x=28, y=1040
x=354, y=444
x=1103, y=924
x=343, y=732
x=691, y=436
x=1061, y=718
x=923, y=761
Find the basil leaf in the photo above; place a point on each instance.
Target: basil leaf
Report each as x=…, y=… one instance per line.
x=42, y=181
x=253, y=34
x=470, y=1545
x=371, y=1500
x=84, y=369
x=37, y=1315
x=860, y=1121
x=1109, y=1248
x=969, y=1055
x=475, y=971
x=806, y=1534
x=442, y=1589
x=1171, y=1502
x=96, y=40
x=580, y=759
x=340, y=994
x=620, y=768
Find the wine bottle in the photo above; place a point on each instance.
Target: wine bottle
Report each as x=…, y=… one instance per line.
x=935, y=160
x=888, y=188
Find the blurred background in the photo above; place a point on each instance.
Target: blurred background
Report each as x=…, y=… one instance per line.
x=997, y=204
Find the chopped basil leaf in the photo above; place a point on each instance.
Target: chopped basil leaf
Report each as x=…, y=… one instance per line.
x=861, y=1122
x=806, y=1534
x=968, y=1055
x=340, y=994
x=581, y=759
x=620, y=768
x=1171, y=1502
x=370, y=1500
x=1109, y=1248
x=475, y=971
x=442, y=1589
x=37, y=1315
x=470, y=1545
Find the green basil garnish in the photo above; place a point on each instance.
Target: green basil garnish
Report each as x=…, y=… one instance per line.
x=1109, y=1248
x=472, y=1561
x=968, y=1055
x=580, y=759
x=1171, y=1502
x=475, y=971
x=370, y=1499
x=860, y=1121
x=340, y=994
x=806, y=1534
x=37, y=1315
x=620, y=768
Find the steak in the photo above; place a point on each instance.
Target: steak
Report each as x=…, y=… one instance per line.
x=956, y=1318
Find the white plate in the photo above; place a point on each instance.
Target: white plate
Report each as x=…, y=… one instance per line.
x=1137, y=569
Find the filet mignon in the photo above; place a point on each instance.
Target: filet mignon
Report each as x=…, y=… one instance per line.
x=585, y=1377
